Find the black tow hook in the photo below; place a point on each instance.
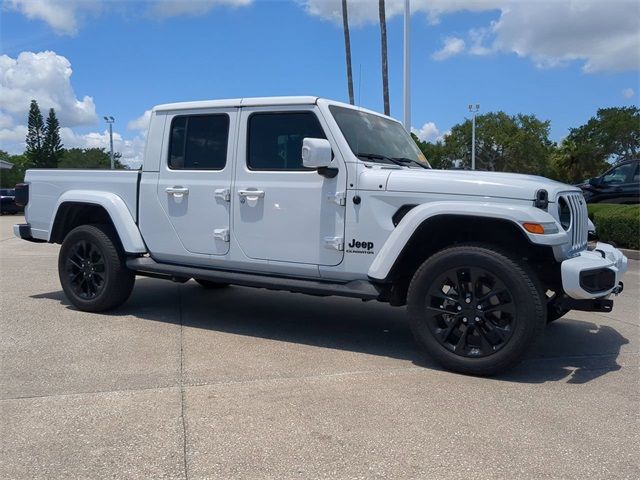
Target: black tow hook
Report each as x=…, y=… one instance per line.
x=618, y=290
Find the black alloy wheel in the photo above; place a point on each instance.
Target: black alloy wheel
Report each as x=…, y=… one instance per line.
x=86, y=269
x=470, y=312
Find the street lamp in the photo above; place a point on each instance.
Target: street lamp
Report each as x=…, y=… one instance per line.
x=473, y=109
x=110, y=121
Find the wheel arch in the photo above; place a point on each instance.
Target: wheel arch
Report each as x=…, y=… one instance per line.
x=81, y=208
x=425, y=235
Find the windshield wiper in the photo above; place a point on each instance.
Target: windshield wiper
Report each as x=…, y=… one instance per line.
x=402, y=161
x=409, y=160
x=376, y=156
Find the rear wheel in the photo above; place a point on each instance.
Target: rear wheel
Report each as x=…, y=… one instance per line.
x=92, y=270
x=210, y=284
x=475, y=310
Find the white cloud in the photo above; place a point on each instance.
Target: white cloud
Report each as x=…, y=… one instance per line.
x=478, y=38
x=45, y=77
x=61, y=15
x=362, y=12
x=174, y=8
x=141, y=123
x=12, y=138
x=604, y=35
x=452, y=46
x=66, y=16
x=628, y=93
x=5, y=120
x=132, y=150
x=429, y=132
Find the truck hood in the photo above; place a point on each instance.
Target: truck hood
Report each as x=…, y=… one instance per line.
x=475, y=183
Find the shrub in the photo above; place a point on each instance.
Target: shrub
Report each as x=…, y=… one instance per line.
x=617, y=223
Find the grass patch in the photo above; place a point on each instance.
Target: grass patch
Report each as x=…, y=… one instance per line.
x=617, y=223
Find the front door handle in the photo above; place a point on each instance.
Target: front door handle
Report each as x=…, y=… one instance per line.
x=177, y=192
x=251, y=193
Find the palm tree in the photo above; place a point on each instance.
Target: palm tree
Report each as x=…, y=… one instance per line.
x=347, y=47
x=385, y=67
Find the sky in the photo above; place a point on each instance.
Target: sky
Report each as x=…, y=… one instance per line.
x=558, y=59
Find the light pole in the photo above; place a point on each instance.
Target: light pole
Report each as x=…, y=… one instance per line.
x=473, y=109
x=110, y=121
x=407, y=60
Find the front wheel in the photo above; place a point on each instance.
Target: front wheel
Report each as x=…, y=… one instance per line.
x=475, y=310
x=92, y=269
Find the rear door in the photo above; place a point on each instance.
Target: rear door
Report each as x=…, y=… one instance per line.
x=195, y=179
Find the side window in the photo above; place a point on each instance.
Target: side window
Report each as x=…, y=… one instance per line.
x=619, y=174
x=199, y=142
x=275, y=139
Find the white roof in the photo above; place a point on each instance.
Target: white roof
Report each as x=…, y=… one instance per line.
x=237, y=102
x=5, y=165
x=259, y=102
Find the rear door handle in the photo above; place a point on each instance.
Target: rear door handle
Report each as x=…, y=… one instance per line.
x=251, y=193
x=177, y=192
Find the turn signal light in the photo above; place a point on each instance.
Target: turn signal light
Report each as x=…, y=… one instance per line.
x=533, y=228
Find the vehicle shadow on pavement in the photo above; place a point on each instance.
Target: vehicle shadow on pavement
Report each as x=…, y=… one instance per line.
x=572, y=351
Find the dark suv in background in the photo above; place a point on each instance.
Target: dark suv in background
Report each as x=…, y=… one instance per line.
x=619, y=184
x=8, y=202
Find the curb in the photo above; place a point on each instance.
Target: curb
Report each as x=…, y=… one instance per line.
x=631, y=254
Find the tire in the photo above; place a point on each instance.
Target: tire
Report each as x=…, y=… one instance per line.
x=211, y=285
x=92, y=269
x=502, y=319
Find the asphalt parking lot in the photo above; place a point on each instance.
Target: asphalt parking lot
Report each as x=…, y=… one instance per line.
x=182, y=382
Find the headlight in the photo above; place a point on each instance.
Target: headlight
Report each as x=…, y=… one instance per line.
x=564, y=213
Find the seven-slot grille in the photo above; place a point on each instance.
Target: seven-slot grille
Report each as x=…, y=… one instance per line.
x=579, y=221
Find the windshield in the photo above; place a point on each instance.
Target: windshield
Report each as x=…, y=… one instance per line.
x=373, y=136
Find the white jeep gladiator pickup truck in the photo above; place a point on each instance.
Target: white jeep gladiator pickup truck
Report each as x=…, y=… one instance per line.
x=314, y=196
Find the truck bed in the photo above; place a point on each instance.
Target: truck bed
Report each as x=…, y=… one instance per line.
x=47, y=187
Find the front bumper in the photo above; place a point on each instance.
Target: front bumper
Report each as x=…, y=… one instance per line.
x=593, y=274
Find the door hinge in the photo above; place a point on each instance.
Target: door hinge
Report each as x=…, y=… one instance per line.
x=339, y=198
x=221, y=234
x=337, y=243
x=223, y=194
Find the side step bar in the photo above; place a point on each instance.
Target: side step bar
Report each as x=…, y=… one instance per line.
x=355, y=289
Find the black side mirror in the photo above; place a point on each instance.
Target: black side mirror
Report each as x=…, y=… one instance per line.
x=595, y=182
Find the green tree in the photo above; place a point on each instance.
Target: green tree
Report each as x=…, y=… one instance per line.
x=611, y=136
x=52, y=144
x=613, y=132
x=89, y=158
x=35, y=137
x=504, y=143
x=435, y=153
x=9, y=178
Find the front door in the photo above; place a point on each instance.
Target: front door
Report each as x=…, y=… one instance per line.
x=195, y=179
x=283, y=211
x=620, y=184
